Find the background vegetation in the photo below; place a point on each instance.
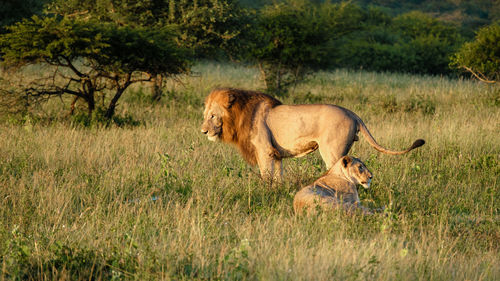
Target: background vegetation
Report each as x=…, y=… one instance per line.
x=287, y=40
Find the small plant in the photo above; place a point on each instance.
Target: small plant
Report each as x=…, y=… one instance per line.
x=237, y=262
x=17, y=255
x=389, y=103
x=98, y=119
x=419, y=103
x=173, y=182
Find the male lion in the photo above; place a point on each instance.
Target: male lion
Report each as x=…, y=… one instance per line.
x=336, y=188
x=266, y=131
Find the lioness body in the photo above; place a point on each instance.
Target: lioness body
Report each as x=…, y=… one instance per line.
x=336, y=188
x=267, y=131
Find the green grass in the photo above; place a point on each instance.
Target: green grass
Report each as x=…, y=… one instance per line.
x=157, y=201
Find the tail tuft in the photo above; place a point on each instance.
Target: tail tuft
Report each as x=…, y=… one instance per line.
x=417, y=143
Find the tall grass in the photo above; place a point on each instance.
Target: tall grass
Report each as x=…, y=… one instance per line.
x=159, y=201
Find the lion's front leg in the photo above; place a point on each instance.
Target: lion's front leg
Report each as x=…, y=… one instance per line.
x=269, y=163
x=268, y=157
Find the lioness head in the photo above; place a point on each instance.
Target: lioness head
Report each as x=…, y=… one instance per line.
x=356, y=171
x=216, y=113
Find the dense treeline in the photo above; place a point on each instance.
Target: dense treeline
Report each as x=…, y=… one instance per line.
x=468, y=14
x=286, y=40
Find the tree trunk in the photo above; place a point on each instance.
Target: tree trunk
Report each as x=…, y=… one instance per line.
x=90, y=104
x=89, y=90
x=157, y=81
x=263, y=75
x=278, y=80
x=73, y=105
x=112, y=104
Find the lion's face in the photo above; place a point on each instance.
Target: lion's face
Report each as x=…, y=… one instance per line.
x=212, y=121
x=216, y=109
x=356, y=171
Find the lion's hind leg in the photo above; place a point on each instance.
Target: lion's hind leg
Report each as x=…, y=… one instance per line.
x=336, y=143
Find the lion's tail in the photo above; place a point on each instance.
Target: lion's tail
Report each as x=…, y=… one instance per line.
x=363, y=129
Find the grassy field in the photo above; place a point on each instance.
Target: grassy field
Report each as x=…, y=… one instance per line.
x=158, y=201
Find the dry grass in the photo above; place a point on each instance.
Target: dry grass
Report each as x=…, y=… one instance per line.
x=158, y=201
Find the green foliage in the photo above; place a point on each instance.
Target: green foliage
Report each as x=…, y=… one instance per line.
x=430, y=41
x=286, y=41
x=236, y=261
x=204, y=25
x=98, y=119
x=88, y=58
x=481, y=57
x=107, y=47
x=342, y=19
x=412, y=42
x=70, y=261
x=468, y=14
x=416, y=104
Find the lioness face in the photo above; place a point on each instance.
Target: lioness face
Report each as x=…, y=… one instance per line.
x=357, y=171
x=212, y=121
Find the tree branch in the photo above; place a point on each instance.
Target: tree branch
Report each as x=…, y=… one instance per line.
x=481, y=77
x=73, y=68
x=148, y=79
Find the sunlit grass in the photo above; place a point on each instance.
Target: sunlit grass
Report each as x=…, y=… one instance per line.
x=159, y=201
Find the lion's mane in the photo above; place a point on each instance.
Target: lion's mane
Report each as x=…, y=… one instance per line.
x=241, y=107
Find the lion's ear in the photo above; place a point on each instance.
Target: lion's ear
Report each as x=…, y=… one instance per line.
x=231, y=98
x=346, y=160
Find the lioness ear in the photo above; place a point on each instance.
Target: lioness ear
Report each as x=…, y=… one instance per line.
x=346, y=160
x=230, y=100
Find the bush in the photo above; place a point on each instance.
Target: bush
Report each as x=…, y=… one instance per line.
x=481, y=57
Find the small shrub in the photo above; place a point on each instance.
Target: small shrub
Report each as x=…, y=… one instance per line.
x=98, y=119
x=309, y=98
x=389, y=104
x=415, y=104
x=419, y=103
x=182, y=187
x=236, y=262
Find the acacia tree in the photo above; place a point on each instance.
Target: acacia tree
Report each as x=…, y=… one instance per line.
x=481, y=57
x=204, y=26
x=89, y=59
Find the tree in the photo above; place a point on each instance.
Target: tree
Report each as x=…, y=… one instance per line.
x=286, y=41
x=88, y=59
x=204, y=26
x=481, y=57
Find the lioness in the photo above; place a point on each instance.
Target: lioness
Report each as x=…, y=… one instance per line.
x=266, y=131
x=336, y=188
